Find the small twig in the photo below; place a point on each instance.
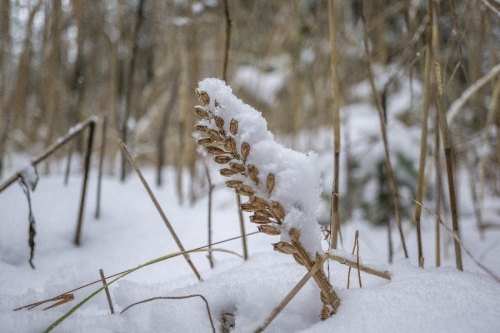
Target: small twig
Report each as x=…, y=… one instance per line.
x=176, y=297
x=363, y=268
x=101, y=162
x=106, y=290
x=349, y=269
x=242, y=227
x=158, y=207
x=228, y=40
x=487, y=270
x=357, y=258
x=210, y=190
x=290, y=295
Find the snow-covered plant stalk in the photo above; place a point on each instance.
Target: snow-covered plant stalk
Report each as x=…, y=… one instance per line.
x=283, y=186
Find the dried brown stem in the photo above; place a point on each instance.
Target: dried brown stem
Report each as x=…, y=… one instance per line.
x=160, y=210
x=106, y=290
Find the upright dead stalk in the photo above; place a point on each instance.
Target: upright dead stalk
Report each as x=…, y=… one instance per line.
x=423, y=138
x=384, y=133
x=445, y=133
x=334, y=219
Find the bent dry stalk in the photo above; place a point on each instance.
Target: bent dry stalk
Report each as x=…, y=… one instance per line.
x=219, y=138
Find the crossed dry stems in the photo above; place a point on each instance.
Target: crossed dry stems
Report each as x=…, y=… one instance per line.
x=220, y=140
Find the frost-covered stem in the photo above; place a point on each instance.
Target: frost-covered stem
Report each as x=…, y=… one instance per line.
x=384, y=134
x=159, y=209
x=423, y=138
x=445, y=133
x=334, y=219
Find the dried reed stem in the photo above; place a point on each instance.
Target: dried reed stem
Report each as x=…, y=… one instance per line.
x=102, y=153
x=290, y=296
x=177, y=297
x=445, y=133
x=437, y=164
x=160, y=210
x=423, y=138
x=209, y=217
x=384, y=133
x=106, y=290
x=228, y=40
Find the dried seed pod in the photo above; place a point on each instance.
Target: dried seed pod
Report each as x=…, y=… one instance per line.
x=237, y=167
x=285, y=248
x=249, y=207
x=222, y=159
x=294, y=235
x=263, y=212
x=216, y=150
x=259, y=219
x=201, y=112
x=244, y=190
x=203, y=96
x=233, y=126
x=270, y=182
x=245, y=150
x=233, y=183
x=230, y=144
x=219, y=122
x=261, y=202
x=227, y=172
x=201, y=128
x=215, y=135
x=269, y=230
x=277, y=210
x=205, y=141
x=253, y=173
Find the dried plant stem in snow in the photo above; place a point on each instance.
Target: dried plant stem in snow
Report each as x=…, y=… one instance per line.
x=384, y=134
x=160, y=211
x=106, y=290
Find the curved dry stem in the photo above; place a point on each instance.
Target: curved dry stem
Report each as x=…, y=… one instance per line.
x=176, y=297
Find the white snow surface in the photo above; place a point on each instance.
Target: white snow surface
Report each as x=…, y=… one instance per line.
x=130, y=233
x=298, y=181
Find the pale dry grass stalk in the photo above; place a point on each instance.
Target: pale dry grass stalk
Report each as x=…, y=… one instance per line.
x=445, y=133
x=219, y=140
x=334, y=219
x=160, y=210
x=384, y=133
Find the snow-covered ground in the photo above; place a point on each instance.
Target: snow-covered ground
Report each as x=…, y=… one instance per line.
x=130, y=232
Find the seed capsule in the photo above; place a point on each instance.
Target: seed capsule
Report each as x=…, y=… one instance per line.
x=230, y=144
x=237, y=167
x=233, y=126
x=205, y=141
x=259, y=201
x=263, y=212
x=219, y=121
x=270, y=182
x=215, y=135
x=248, y=207
x=244, y=190
x=233, y=183
x=277, y=210
x=269, y=230
x=222, y=159
x=259, y=219
x=215, y=150
x=203, y=96
x=227, y=172
x=201, y=128
x=285, y=248
x=245, y=150
x=201, y=112
x=253, y=173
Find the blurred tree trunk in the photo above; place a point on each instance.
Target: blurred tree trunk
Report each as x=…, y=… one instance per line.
x=5, y=47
